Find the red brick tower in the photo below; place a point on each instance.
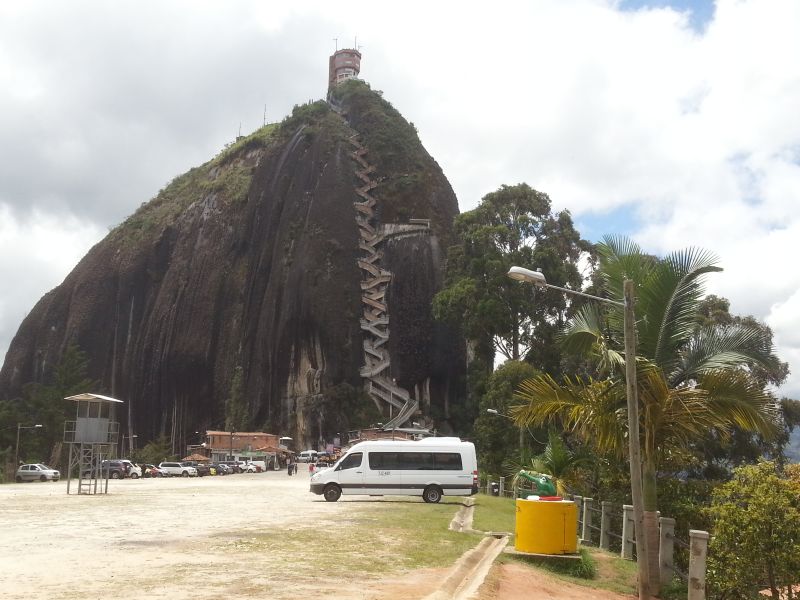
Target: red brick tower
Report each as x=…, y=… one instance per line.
x=343, y=64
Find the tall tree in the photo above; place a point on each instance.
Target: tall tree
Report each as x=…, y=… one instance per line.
x=691, y=379
x=43, y=403
x=496, y=436
x=720, y=454
x=512, y=226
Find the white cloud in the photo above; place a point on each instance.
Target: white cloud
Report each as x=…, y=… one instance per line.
x=36, y=254
x=605, y=110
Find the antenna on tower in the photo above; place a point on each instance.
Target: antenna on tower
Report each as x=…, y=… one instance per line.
x=238, y=137
x=336, y=40
x=355, y=43
x=265, y=114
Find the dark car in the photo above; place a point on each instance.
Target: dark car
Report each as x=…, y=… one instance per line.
x=114, y=469
x=233, y=466
x=202, y=468
x=217, y=469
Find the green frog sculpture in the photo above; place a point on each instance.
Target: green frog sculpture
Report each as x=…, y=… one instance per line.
x=543, y=485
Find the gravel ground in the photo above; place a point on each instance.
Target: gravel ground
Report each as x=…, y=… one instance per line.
x=178, y=538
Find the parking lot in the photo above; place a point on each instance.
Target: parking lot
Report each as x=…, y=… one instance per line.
x=209, y=537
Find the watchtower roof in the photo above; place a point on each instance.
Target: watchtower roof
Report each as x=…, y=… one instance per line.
x=79, y=397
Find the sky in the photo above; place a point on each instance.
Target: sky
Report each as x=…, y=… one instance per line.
x=672, y=122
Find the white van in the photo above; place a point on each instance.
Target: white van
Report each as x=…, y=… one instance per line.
x=431, y=467
x=307, y=456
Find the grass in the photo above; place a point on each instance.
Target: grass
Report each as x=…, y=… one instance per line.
x=384, y=537
x=493, y=513
x=596, y=569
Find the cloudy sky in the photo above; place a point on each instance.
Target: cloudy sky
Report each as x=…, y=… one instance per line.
x=674, y=122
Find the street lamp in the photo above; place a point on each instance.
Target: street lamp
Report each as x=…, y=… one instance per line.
x=130, y=439
x=19, y=427
x=642, y=550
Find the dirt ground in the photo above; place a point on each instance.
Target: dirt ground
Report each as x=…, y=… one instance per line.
x=517, y=582
x=181, y=538
x=176, y=539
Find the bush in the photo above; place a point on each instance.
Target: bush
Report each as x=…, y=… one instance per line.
x=756, y=541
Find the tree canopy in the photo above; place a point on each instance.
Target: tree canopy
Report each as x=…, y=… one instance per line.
x=512, y=226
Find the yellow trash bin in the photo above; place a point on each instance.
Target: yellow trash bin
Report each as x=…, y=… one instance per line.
x=546, y=527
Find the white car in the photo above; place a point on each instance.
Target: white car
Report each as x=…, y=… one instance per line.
x=176, y=469
x=134, y=470
x=37, y=472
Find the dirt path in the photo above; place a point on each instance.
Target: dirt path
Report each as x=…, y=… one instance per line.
x=511, y=581
x=179, y=539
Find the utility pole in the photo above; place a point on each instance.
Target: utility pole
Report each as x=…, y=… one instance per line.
x=634, y=456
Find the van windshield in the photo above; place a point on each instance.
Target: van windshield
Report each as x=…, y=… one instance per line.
x=351, y=461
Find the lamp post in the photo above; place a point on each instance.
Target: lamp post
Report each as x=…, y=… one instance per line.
x=634, y=450
x=130, y=439
x=20, y=426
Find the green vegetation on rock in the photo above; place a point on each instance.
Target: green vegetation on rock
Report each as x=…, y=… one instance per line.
x=227, y=177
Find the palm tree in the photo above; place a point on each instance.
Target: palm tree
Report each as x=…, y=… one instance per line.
x=558, y=461
x=691, y=379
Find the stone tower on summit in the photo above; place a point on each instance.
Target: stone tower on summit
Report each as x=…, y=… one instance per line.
x=343, y=64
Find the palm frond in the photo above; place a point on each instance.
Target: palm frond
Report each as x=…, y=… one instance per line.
x=587, y=334
x=593, y=410
x=668, y=301
x=742, y=401
x=714, y=347
x=621, y=258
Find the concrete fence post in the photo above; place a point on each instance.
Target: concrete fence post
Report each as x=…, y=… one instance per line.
x=605, y=524
x=586, y=533
x=666, y=548
x=628, y=533
x=698, y=552
x=502, y=487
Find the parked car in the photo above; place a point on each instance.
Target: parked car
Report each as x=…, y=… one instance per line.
x=250, y=468
x=176, y=469
x=134, y=471
x=115, y=469
x=153, y=471
x=233, y=465
x=202, y=468
x=37, y=472
x=221, y=469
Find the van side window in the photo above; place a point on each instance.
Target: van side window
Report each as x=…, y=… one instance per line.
x=415, y=461
x=351, y=461
x=447, y=461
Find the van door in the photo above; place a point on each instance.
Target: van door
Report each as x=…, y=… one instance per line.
x=350, y=473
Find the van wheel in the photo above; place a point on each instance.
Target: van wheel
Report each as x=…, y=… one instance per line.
x=134, y=476
x=19, y=479
x=42, y=478
x=432, y=494
x=332, y=493
x=185, y=474
x=115, y=475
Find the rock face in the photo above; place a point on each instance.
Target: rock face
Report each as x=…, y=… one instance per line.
x=237, y=294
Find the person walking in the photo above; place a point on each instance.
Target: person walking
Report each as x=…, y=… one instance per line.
x=289, y=467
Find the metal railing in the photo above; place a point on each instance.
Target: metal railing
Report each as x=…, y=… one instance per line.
x=624, y=538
